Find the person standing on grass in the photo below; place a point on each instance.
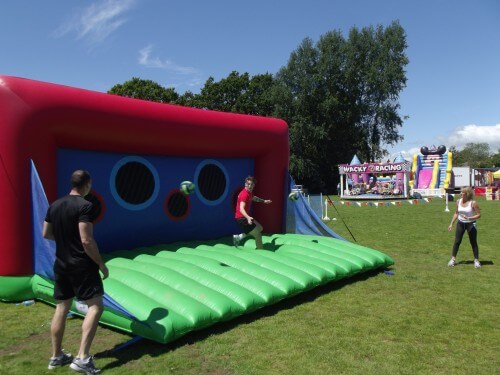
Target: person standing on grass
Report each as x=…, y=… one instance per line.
x=467, y=212
x=248, y=224
x=76, y=271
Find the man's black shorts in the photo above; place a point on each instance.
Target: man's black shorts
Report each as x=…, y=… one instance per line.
x=243, y=223
x=83, y=285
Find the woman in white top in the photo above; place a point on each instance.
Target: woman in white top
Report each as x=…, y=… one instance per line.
x=467, y=213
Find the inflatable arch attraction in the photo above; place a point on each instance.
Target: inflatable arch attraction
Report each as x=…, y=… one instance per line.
x=173, y=267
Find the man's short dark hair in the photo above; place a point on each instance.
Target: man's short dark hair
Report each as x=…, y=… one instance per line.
x=251, y=179
x=79, y=179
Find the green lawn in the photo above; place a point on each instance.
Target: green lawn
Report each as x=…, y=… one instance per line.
x=425, y=319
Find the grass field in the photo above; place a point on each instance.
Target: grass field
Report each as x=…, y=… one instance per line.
x=427, y=318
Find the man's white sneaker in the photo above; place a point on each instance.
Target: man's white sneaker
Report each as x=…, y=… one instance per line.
x=477, y=264
x=452, y=263
x=236, y=239
x=62, y=360
x=84, y=366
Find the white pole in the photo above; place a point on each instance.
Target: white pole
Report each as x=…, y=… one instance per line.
x=446, y=209
x=341, y=186
x=326, y=211
x=405, y=182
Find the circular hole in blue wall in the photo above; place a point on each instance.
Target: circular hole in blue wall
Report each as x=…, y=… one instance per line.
x=134, y=183
x=177, y=205
x=211, y=182
x=98, y=206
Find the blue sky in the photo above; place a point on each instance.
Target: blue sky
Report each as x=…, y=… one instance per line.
x=453, y=90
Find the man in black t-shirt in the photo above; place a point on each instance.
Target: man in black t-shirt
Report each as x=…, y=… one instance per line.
x=76, y=270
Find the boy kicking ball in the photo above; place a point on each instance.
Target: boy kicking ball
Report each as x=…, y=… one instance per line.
x=248, y=224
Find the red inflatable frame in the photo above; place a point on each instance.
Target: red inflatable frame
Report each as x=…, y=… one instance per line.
x=37, y=118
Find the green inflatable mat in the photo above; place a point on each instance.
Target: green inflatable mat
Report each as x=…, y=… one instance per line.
x=174, y=289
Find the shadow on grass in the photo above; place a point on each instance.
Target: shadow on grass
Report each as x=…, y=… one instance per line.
x=124, y=353
x=483, y=262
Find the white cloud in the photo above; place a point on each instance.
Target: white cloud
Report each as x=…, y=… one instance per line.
x=407, y=154
x=180, y=76
x=476, y=134
x=148, y=61
x=196, y=82
x=96, y=22
x=459, y=137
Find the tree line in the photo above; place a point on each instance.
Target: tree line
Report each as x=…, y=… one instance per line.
x=475, y=155
x=339, y=96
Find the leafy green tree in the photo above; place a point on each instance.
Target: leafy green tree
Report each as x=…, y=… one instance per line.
x=224, y=95
x=474, y=155
x=188, y=99
x=340, y=98
x=258, y=98
x=236, y=93
x=375, y=69
x=299, y=107
x=146, y=90
x=495, y=160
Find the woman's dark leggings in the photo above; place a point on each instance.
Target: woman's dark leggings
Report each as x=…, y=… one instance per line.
x=459, y=233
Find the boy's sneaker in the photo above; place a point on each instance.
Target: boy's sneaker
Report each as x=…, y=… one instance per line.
x=452, y=263
x=236, y=239
x=84, y=366
x=477, y=264
x=62, y=360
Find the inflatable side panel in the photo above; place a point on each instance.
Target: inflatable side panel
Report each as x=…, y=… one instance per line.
x=449, y=168
x=435, y=176
x=16, y=288
x=414, y=170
